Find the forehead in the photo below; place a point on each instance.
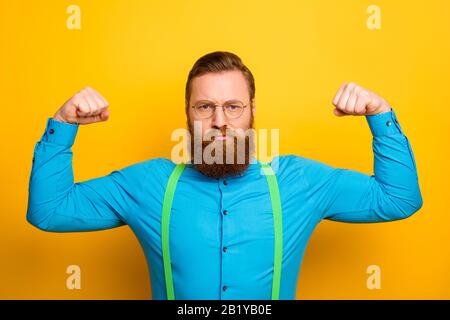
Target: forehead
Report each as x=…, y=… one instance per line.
x=220, y=86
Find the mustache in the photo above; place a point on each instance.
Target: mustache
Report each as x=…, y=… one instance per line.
x=210, y=134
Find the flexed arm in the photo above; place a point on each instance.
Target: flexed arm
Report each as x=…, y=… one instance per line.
x=393, y=192
x=55, y=202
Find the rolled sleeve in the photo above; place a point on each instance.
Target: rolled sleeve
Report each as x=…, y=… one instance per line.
x=384, y=124
x=60, y=133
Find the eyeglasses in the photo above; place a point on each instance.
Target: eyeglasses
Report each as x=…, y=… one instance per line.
x=232, y=109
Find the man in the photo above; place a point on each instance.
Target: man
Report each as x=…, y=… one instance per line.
x=222, y=230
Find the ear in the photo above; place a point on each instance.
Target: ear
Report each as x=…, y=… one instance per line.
x=253, y=104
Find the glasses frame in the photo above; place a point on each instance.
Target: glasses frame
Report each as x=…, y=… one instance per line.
x=223, y=110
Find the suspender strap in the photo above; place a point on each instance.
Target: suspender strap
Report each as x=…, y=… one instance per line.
x=165, y=220
x=278, y=228
x=277, y=220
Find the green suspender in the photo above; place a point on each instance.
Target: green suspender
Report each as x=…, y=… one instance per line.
x=278, y=228
x=165, y=220
x=277, y=219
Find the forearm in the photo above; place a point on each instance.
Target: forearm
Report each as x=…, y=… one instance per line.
x=51, y=174
x=395, y=168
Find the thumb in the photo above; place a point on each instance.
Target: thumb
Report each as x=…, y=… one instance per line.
x=104, y=115
x=338, y=112
x=93, y=119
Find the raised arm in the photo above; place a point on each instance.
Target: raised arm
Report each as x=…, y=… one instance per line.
x=55, y=202
x=392, y=193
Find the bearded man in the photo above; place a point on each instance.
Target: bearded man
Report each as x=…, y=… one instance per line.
x=224, y=225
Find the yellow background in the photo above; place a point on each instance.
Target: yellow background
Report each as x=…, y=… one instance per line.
x=138, y=54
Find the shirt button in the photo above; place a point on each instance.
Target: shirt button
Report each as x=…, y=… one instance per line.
x=388, y=123
x=225, y=249
x=225, y=212
x=225, y=182
x=52, y=131
x=224, y=288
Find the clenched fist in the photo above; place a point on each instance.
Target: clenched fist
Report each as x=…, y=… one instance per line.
x=86, y=106
x=352, y=99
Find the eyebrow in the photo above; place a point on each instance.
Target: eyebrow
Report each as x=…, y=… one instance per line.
x=206, y=100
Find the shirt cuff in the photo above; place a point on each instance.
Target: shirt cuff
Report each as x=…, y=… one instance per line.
x=384, y=124
x=60, y=133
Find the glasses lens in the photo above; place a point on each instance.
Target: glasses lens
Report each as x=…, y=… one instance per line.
x=234, y=110
x=205, y=110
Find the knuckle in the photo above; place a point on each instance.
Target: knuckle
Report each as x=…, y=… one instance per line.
x=362, y=92
x=84, y=107
x=362, y=99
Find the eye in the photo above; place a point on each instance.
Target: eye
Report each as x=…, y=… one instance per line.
x=204, y=106
x=233, y=107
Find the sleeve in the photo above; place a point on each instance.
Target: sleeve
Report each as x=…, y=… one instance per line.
x=392, y=193
x=57, y=204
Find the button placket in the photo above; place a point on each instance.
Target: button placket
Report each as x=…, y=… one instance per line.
x=224, y=185
x=225, y=212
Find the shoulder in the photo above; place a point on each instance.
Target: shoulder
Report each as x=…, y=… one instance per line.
x=292, y=161
x=159, y=167
x=155, y=166
x=292, y=165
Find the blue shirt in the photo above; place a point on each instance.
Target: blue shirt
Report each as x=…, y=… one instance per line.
x=221, y=230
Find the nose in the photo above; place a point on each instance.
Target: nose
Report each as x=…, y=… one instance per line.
x=218, y=120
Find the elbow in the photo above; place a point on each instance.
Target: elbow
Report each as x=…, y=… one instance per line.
x=36, y=224
x=39, y=226
x=36, y=220
x=399, y=208
x=419, y=202
x=393, y=207
x=414, y=206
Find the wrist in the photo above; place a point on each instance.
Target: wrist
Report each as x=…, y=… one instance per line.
x=59, y=118
x=385, y=108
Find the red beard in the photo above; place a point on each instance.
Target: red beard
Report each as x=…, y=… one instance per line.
x=238, y=163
